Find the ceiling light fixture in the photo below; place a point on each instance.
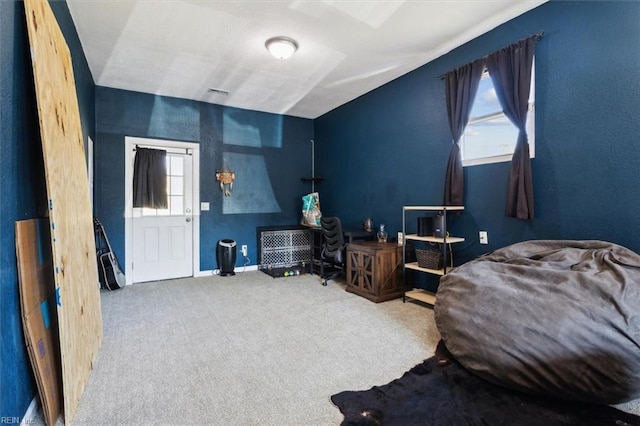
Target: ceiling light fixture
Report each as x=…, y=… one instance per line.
x=281, y=47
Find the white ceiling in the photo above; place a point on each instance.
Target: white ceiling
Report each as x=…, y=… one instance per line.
x=182, y=48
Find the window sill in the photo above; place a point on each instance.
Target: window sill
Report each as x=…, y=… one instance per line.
x=489, y=160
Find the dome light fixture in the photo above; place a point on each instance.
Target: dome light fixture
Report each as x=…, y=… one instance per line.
x=281, y=47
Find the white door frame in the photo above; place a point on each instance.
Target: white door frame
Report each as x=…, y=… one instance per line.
x=130, y=143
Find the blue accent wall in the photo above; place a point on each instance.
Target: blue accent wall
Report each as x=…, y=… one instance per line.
x=22, y=182
x=269, y=153
x=383, y=150
x=390, y=147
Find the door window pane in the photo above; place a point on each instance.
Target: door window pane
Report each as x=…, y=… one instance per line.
x=176, y=205
x=177, y=166
x=175, y=188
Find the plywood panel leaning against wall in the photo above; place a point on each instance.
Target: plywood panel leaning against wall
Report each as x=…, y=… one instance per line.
x=39, y=318
x=72, y=237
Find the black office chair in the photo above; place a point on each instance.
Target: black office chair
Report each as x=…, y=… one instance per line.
x=333, y=248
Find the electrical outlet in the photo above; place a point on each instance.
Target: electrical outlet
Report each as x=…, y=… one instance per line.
x=244, y=249
x=484, y=237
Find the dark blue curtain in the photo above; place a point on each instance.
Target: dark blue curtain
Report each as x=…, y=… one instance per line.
x=510, y=71
x=461, y=86
x=150, y=178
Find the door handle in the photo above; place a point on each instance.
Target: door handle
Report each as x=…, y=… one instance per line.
x=188, y=219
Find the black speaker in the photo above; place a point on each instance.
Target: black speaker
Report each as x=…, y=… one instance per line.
x=425, y=226
x=438, y=226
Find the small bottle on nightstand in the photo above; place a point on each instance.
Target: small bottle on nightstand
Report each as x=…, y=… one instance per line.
x=382, y=235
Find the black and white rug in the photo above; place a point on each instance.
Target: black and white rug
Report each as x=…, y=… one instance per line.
x=440, y=392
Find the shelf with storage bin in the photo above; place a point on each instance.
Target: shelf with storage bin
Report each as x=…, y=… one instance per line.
x=430, y=239
x=420, y=294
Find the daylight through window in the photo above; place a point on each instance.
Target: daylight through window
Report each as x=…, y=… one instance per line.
x=490, y=137
x=175, y=188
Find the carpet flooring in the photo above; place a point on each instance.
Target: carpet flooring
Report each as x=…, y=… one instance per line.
x=246, y=350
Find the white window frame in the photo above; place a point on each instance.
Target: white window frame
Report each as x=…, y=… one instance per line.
x=530, y=128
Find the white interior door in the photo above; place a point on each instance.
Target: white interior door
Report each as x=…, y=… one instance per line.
x=162, y=238
x=160, y=242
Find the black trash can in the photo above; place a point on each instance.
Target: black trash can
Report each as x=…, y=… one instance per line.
x=226, y=257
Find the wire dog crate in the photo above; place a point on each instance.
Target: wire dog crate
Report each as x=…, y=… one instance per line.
x=284, y=252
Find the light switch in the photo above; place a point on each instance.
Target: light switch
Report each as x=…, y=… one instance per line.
x=204, y=207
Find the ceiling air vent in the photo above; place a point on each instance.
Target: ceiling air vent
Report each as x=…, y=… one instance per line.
x=218, y=91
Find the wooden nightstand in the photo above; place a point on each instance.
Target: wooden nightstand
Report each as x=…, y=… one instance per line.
x=374, y=270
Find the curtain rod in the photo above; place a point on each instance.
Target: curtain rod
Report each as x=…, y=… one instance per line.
x=537, y=35
x=169, y=150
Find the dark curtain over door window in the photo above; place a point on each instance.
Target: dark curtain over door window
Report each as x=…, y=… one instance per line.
x=510, y=70
x=150, y=178
x=461, y=86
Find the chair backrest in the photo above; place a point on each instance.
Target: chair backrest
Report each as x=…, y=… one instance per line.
x=333, y=238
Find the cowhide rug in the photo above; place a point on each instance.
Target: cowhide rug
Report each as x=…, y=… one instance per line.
x=441, y=392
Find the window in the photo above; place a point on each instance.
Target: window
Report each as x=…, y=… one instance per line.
x=490, y=137
x=175, y=188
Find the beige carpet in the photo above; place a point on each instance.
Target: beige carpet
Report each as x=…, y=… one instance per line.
x=246, y=350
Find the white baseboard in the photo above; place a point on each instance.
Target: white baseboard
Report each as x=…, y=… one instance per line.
x=31, y=414
x=211, y=272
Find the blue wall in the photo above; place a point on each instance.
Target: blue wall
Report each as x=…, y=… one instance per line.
x=22, y=184
x=383, y=150
x=268, y=152
x=390, y=147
